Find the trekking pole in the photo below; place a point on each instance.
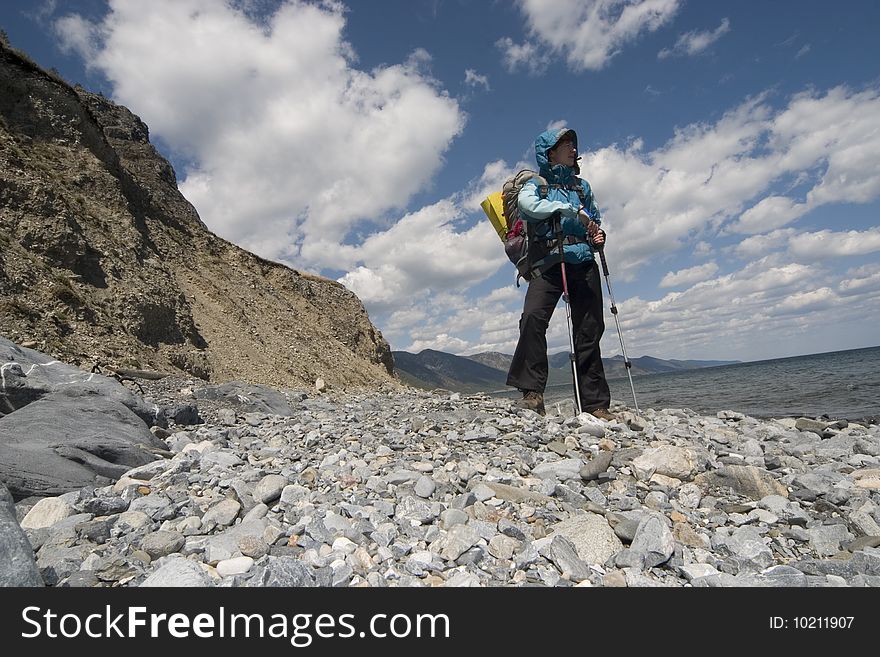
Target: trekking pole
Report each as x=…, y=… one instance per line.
x=571, y=355
x=626, y=360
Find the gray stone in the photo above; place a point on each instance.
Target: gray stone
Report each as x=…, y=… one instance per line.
x=162, y=543
x=293, y=494
x=668, y=460
x=527, y=556
x=234, y=566
x=415, y=510
x=814, y=426
x=509, y=528
x=596, y=466
x=399, y=477
x=503, y=547
x=696, y=570
x=746, y=480
x=62, y=443
x=863, y=522
x=463, y=580
x=862, y=542
x=459, y=540
x=516, y=494
x=29, y=375
x=155, y=505
x=131, y=520
x=464, y=500
x=625, y=526
x=226, y=544
x=116, y=568
x=17, y=564
x=783, y=576
x=104, y=506
x=653, y=543
x=82, y=579
x=47, y=512
x=482, y=492
x=221, y=514
x=591, y=535
x=337, y=524
x=269, y=488
x=425, y=486
x=177, y=571
x=564, y=556
x=184, y=414
x=247, y=398
x=826, y=540
x=847, y=569
x=689, y=495
x=776, y=504
x=451, y=517
x=748, y=548
x=867, y=561
x=816, y=483
x=561, y=470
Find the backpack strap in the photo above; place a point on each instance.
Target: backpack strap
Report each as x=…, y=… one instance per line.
x=578, y=188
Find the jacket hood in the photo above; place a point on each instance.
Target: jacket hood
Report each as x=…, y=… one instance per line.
x=547, y=140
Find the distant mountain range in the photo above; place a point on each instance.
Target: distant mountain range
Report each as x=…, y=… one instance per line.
x=487, y=371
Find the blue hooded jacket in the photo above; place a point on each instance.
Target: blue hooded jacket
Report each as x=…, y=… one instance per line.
x=537, y=210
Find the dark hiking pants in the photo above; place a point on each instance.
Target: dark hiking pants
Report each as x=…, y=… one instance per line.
x=528, y=370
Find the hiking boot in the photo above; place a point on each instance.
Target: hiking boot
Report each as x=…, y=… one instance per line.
x=602, y=414
x=532, y=400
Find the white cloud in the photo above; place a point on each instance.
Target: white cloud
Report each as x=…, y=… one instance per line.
x=839, y=131
x=689, y=276
x=79, y=36
x=421, y=254
x=827, y=243
x=738, y=312
x=803, y=51
x=758, y=245
x=526, y=56
x=442, y=342
x=589, y=33
x=696, y=41
x=768, y=214
x=473, y=79
x=861, y=281
x=702, y=248
x=702, y=181
x=292, y=146
x=822, y=299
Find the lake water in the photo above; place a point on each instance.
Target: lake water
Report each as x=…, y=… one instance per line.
x=840, y=384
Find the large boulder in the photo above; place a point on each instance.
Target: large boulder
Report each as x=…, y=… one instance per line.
x=247, y=397
x=17, y=564
x=27, y=375
x=746, y=480
x=62, y=443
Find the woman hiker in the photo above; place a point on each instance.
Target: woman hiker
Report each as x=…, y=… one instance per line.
x=561, y=205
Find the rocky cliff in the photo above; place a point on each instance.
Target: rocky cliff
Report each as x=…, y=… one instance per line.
x=102, y=260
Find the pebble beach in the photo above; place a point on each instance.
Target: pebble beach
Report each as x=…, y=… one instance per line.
x=411, y=488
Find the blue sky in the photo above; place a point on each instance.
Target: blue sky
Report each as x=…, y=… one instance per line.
x=734, y=148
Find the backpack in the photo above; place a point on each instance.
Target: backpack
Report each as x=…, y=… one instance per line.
x=503, y=211
x=517, y=234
